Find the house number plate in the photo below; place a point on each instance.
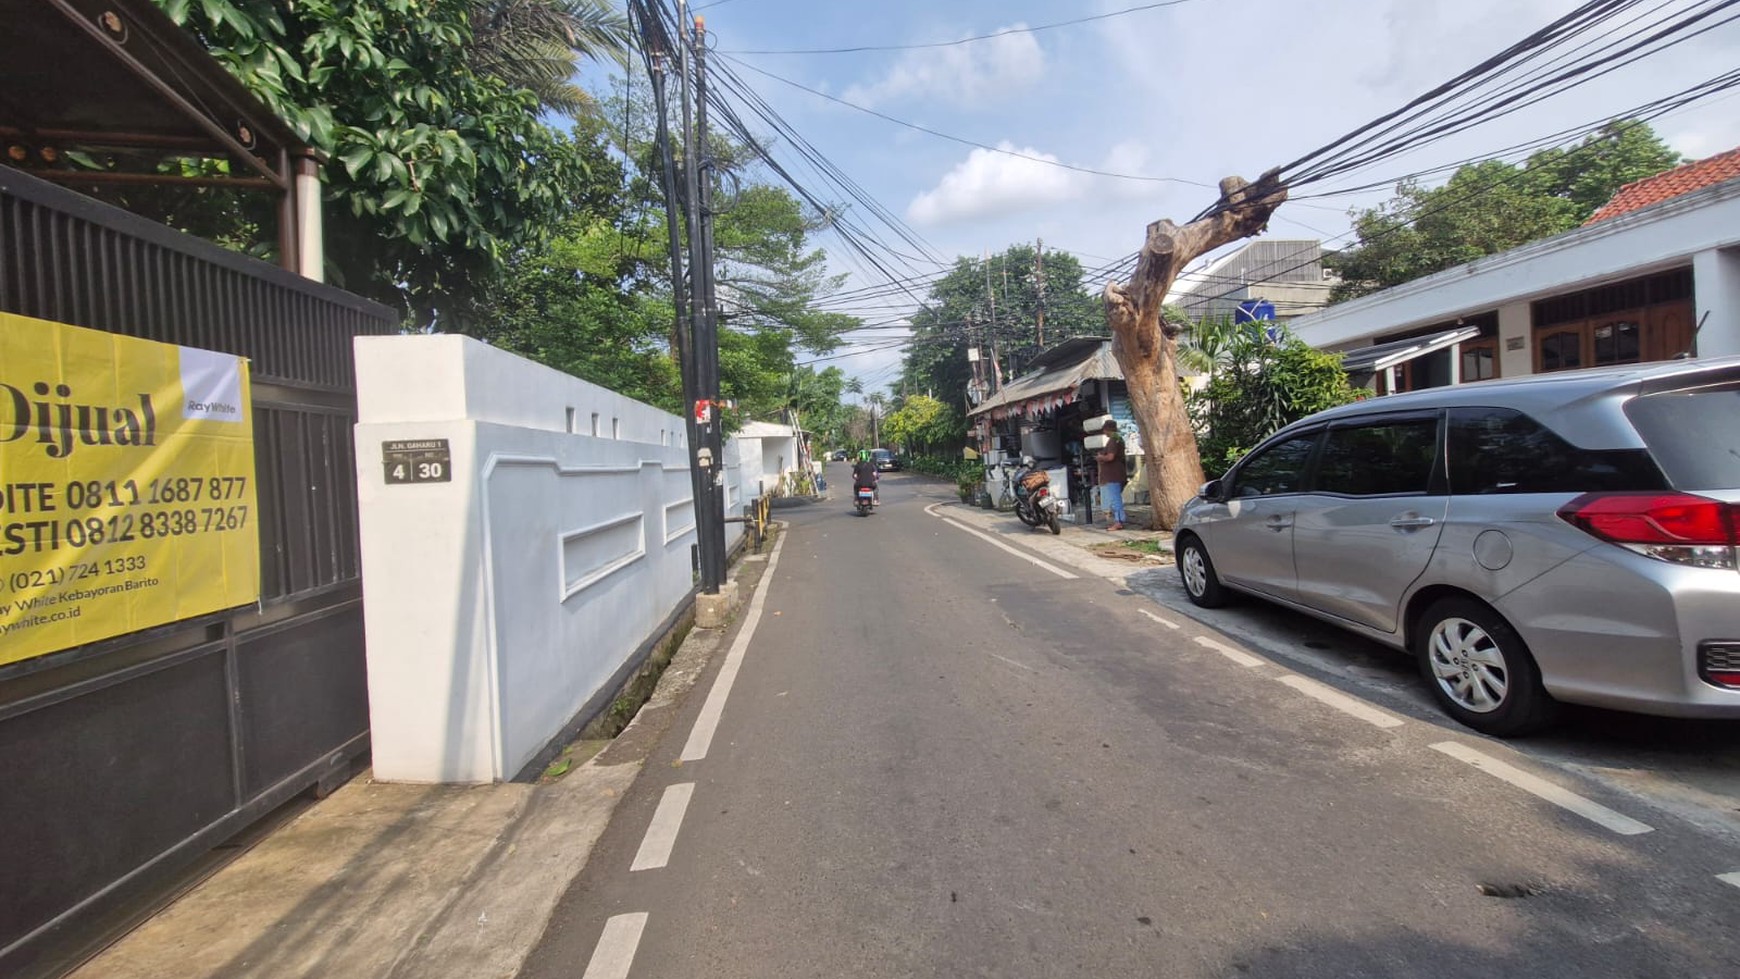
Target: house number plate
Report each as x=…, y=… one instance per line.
x=418, y=461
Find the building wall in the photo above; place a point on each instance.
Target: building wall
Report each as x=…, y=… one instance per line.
x=778, y=457
x=1701, y=229
x=1716, y=287
x=502, y=603
x=1288, y=273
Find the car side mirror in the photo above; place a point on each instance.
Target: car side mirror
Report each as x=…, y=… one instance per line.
x=1211, y=490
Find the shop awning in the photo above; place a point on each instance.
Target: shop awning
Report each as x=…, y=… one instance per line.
x=1383, y=356
x=1055, y=384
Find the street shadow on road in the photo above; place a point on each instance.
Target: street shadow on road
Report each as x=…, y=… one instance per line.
x=1704, y=753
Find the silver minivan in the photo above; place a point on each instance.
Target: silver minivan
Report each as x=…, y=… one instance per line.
x=1563, y=537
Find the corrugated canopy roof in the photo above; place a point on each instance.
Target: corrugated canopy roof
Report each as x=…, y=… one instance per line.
x=1383, y=356
x=1062, y=370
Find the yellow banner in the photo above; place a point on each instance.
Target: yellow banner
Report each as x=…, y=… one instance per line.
x=127, y=494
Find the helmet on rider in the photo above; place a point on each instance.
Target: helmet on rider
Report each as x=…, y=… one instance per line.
x=863, y=455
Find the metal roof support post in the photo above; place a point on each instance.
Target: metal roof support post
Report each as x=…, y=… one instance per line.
x=288, y=246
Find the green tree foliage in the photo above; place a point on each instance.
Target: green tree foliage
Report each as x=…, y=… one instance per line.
x=1494, y=206
x=589, y=301
x=924, y=425
x=596, y=301
x=1255, y=387
x=436, y=169
x=772, y=279
x=817, y=398
x=770, y=274
x=538, y=45
x=957, y=315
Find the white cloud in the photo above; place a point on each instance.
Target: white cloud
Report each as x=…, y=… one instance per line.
x=998, y=184
x=966, y=74
x=988, y=183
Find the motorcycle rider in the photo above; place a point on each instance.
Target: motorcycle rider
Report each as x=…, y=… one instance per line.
x=864, y=475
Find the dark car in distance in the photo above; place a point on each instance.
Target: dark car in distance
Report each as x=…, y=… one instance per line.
x=885, y=460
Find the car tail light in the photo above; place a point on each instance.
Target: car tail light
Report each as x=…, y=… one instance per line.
x=1676, y=527
x=1719, y=663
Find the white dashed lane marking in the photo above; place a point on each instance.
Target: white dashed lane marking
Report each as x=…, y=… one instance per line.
x=1733, y=878
x=616, y=947
x=661, y=835
x=1238, y=656
x=701, y=736
x=1168, y=623
x=994, y=542
x=1564, y=798
x=1351, y=706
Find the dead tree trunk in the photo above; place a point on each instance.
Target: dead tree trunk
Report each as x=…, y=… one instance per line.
x=1144, y=345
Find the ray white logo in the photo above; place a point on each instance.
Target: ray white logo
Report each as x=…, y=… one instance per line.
x=213, y=385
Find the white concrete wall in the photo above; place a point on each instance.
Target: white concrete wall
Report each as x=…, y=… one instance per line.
x=496, y=605
x=745, y=455
x=1516, y=349
x=778, y=457
x=1716, y=279
x=1685, y=230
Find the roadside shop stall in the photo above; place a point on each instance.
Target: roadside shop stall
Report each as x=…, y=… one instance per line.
x=1052, y=414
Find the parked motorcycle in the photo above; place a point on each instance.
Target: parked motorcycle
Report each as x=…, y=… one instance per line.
x=864, y=499
x=1035, y=504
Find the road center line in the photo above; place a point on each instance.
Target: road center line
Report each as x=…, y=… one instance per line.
x=661, y=833
x=994, y=542
x=616, y=947
x=1168, y=623
x=701, y=737
x=1564, y=798
x=1238, y=656
x=1351, y=706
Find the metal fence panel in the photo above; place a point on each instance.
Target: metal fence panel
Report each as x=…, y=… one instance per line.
x=126, y=759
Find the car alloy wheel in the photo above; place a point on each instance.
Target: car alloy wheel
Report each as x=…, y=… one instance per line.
x=1197, y=570
x=1468, y=665
x=1479, y=669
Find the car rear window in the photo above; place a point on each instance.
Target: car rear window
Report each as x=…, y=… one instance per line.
x=1694, y=435
x=1502, y=450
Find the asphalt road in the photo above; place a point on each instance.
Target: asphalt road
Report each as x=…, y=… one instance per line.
x=939, y=759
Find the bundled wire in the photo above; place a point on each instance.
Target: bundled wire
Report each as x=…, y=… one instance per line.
x=1501, y=84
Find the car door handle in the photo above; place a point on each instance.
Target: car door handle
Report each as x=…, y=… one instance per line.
x=1278, y=523
x=1412, y=523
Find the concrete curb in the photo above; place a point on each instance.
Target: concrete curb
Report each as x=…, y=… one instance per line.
x=1071, y=547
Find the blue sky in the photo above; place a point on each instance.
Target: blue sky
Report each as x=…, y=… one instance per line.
x=1191, y=92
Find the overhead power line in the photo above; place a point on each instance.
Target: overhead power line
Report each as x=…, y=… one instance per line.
x=1468, y=99
x=961, y=139
x=978, y=37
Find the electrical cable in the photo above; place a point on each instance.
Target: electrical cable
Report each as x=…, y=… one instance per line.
x=981, y=37
x=963, y=140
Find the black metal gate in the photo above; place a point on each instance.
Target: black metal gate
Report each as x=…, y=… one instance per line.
x=124, y=760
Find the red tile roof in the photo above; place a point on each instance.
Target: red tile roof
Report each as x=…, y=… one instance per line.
x=1682, y=179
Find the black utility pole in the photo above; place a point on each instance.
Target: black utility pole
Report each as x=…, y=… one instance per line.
x=1039, y=285
x=695, y=337
x=705, y=311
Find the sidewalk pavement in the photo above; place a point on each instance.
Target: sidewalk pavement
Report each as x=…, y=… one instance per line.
x=394, y=881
